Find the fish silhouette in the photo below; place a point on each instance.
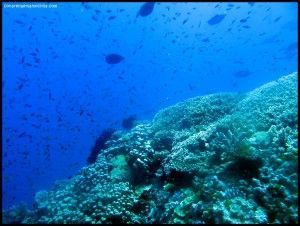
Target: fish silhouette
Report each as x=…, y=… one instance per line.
x=146, y=9
x=113, y=58
x=216, y=19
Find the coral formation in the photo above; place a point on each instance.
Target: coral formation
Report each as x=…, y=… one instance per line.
x=221, y=158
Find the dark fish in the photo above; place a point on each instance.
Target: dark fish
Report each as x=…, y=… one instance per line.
x=94, y=18
x=129, y=122
x=243, y=20
x=111, y=17
x=216, y=19
x=191, y=87
x=146, y=9
x=251, y=3
x=20, y=86
x=186, y=20
x=22, y=134
x=18, y=22
x=86, y=5
x=278, y=18
x=100, y=144
x=242, y=74
x=113, y=58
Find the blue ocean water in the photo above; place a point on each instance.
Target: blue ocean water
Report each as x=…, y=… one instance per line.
x=62, y=88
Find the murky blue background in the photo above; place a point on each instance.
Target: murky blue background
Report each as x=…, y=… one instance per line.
x=59, y=93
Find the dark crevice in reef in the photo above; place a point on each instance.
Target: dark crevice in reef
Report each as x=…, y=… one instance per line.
x=244, y=168
x=129, y=122
x=115, y=220
x=179, y=179
x=100, y=144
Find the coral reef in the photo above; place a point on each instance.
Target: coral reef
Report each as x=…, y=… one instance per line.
x=221, y=158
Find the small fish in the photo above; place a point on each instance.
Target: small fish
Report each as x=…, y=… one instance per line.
x=186, y=20
x=278, y=18
x=94, y=18
x=111, y=17
x=113, y=58
x=146, y=9
x=243, y=20
x=191, y=87
x=242, y=74
x=216, y=19
x=86, y=5
x=22, y=134
x=18, y=22
x=20, y=86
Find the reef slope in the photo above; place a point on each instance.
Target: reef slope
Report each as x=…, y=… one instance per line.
x=221, y=158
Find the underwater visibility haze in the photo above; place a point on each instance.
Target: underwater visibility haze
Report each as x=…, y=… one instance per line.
x=150, y=112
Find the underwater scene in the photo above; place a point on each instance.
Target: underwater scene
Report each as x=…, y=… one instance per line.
x=150, y=112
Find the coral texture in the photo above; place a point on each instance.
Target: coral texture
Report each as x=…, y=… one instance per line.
x=221, y=158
